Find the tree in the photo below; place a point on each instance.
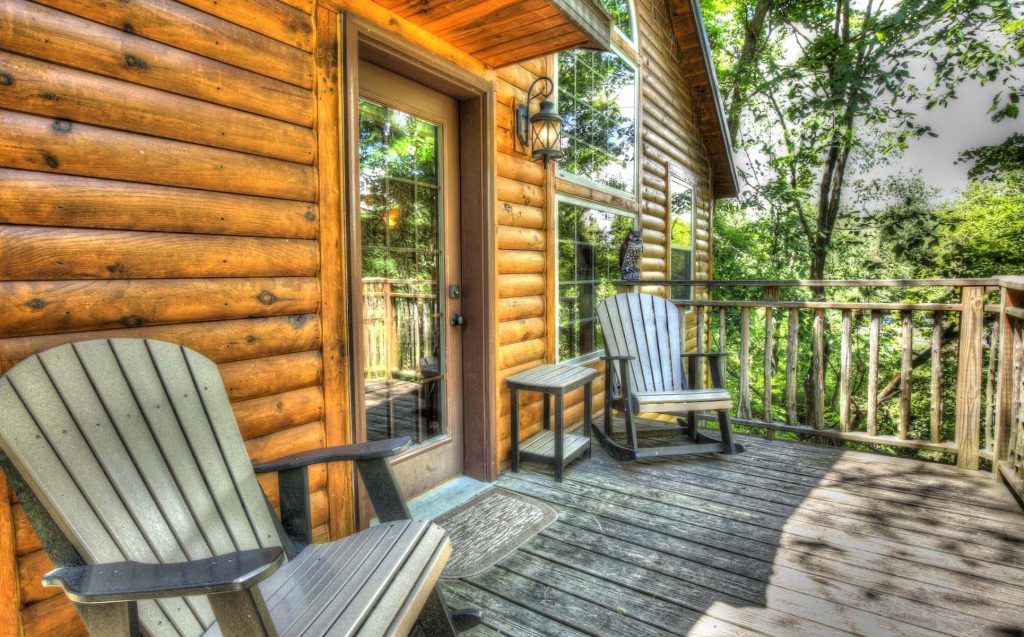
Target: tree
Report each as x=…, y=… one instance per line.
x=990, y=162
x=823, y=86
x=983, y=229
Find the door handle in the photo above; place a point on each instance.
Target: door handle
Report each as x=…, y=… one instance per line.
x=457, y=320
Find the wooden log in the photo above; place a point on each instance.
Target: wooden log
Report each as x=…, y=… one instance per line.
x=519, y=168
x=31, y=569
x=845, y=356
x=520, y=216
x=769, y=293
x=1010, y=348
x=519, y=192
x=60, y=92
x=521, y=262
x=34, y=198
x=55, y=617
x=510, y=285
x=269, y=17
x=906, y=369
x=248, y=379
x=743, y=409
x=71, y=306
x=968, y=379
x=29, y=142
x=45, y=34
x=518, y=353
x=10, y=598
x=792, y=344
x=818, y=371
x=39, y=253
x=185, y=28
x=936, y=378
x=521, y=307
x=990, y=377
x=270, y=414
x=284, y=443
x=521, y=330
x=876, y=323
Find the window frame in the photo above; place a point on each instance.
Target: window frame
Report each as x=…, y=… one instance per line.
x=561, y=198
x=582, y=180
x=675, y=180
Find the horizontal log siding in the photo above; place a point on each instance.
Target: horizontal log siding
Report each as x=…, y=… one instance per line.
x=523, y=261
x=159, y=178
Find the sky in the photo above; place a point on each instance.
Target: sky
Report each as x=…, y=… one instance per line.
x=964, y=124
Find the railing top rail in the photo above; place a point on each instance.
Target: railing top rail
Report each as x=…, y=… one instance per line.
x=834, y=283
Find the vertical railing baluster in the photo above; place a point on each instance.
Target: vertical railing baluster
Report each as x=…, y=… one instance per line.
x=792, y=344
x=906, y=369
x=876, y=324
x=743, y=411
x=699, y=380
x=968, y=378
x=990, y=377
x=818, y=370
x=936, y=380
x=769, y=294
x=1010, y=347
x=722, y=333
x=845, y=361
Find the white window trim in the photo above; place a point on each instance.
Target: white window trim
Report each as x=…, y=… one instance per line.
x=586, y=181
x=674, y=181
x=593, y=205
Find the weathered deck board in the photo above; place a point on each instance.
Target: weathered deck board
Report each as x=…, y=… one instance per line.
x=786, y=539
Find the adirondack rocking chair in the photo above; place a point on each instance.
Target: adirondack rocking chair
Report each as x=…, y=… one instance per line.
x=642, y=335
x=127, y=458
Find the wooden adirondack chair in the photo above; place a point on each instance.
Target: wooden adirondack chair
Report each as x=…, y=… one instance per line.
x=642, y=334
x=127, y=458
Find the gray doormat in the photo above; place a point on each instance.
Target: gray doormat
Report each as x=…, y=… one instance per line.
x=489, y=527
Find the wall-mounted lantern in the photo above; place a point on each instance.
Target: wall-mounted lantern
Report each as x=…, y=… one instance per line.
x=545, y=124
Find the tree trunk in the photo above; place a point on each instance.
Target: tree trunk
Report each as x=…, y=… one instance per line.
x=752, y=39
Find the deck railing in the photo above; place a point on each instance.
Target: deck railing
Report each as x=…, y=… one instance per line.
x=924, y=364
x=399, y=326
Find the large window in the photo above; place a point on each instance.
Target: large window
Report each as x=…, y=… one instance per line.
x=681, y=239
x=588, y=263
x=597, y=99
x=622, y=15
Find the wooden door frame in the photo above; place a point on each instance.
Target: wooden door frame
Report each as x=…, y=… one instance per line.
x=475, y=95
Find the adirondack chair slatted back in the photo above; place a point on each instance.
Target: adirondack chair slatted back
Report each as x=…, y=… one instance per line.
x=133, y=449
x=646, y=327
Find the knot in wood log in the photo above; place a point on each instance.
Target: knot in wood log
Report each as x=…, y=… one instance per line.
x=135, y=63
x=6, y=79
x=266, y=297
x=37, y=304
x=61, y=126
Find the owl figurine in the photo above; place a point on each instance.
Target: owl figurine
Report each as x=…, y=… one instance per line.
x=630, y=251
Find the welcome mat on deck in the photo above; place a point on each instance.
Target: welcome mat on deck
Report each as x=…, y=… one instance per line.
x=489, y=527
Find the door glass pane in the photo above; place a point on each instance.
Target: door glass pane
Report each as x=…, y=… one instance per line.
x=403, y=308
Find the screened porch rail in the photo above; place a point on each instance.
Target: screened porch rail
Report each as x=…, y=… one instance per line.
x=927, y=364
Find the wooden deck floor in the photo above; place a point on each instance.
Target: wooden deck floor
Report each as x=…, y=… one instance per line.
x=785, y=539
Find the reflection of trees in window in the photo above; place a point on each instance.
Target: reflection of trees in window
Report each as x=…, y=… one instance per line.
x=681, y=239
x=588, y=263
x=596, y=97
x=620, y=13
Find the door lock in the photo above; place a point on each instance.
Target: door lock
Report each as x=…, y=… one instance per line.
x=457, y=320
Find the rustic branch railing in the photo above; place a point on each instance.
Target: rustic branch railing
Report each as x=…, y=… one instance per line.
x=967, y=405
x=399, y=327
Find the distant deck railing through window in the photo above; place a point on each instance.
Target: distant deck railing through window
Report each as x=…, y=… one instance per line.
x=924, y=364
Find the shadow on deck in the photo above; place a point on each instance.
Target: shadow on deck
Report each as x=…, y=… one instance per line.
x=785, y=539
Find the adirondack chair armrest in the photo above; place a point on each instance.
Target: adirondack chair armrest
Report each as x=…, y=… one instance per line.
x=361, y=451
x=371, y=459
x=132, y=581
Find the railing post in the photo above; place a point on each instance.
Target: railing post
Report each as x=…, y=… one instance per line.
x=936, y=378
x=1004, y=380
x=770, y=294
x=968, y=378
x=792, y=344
x=845, y=363
x=743, y=409
x=818, y=371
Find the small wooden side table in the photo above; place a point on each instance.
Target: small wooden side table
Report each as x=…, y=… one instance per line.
x=553, y=447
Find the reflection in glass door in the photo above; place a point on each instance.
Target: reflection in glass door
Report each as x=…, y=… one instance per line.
x=401, y=217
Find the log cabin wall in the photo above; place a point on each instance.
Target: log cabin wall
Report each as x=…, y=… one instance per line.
x=160, y=177
x=170, y=169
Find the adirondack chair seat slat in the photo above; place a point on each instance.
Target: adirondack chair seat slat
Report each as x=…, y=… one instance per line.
x=359, y=585
x=127, y=450
x=643, y=340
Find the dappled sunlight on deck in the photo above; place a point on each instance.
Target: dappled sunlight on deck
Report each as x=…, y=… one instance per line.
x=784, y=539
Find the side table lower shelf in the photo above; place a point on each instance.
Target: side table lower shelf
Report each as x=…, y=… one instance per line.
x=540, y=447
